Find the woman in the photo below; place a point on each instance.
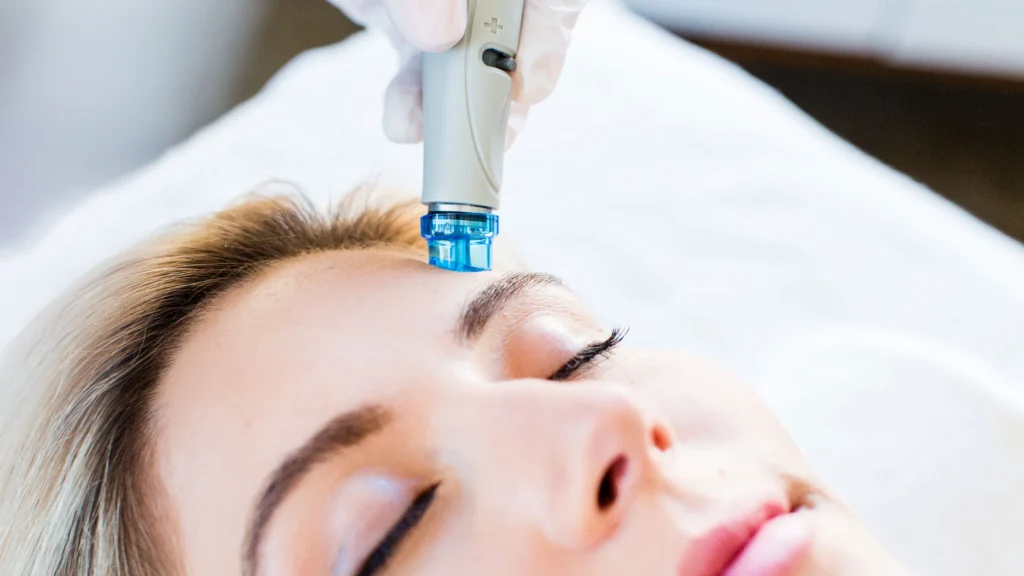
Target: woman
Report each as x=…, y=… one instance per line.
x=273, y=391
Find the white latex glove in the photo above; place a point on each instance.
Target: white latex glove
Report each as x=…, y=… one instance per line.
x=417, y=26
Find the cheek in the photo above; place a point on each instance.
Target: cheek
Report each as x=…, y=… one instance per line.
x=699, y=399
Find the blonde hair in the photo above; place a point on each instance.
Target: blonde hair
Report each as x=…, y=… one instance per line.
x=75, y=495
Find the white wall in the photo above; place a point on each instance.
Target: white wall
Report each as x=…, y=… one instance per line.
x=969, y=36
x=981, y=35
x=842, y=25
x=92, y=88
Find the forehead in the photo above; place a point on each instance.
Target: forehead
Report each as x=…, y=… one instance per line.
x=272, y=360
x=321, y=323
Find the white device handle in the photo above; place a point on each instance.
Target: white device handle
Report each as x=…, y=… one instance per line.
x=466, y=97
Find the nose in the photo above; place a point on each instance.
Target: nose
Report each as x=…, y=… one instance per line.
x=604, y=445
x=579, y=457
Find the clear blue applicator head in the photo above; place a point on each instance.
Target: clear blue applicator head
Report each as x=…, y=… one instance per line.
x=459, y=241
x=466, y=97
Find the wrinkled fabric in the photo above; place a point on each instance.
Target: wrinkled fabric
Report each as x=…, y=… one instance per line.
x=417, y=26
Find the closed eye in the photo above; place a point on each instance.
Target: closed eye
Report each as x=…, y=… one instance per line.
x=589, y=355
x=385, y=551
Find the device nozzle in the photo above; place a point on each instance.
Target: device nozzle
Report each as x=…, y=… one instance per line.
x=459, y=241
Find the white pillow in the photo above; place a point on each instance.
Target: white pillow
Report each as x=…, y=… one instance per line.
x=925, y=442
x=675, y=192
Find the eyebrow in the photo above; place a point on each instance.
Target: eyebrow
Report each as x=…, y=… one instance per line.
x=344, y=431
x=489, y=301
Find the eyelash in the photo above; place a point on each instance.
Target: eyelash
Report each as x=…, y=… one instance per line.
x=382, y=554
x=590, y=354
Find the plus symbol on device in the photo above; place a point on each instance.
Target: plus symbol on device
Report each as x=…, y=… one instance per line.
x=494, y=26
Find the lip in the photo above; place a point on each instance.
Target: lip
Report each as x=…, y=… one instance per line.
x=715, y=553
x=775, y=548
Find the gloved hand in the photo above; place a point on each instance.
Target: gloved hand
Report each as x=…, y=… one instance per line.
x=415, y=26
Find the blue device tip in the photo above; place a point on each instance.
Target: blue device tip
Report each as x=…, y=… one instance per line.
x=459, y=241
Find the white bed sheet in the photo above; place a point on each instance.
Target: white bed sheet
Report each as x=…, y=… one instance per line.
x=676, y=193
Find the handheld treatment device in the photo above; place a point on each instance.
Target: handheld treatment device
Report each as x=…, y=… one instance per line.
x=466, y=97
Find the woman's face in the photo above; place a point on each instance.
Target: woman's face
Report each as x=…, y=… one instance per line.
x=356, y=413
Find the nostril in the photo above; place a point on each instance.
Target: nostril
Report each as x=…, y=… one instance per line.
x=608, y=490
x=661, y=438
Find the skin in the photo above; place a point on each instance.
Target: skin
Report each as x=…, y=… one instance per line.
x=517, y=459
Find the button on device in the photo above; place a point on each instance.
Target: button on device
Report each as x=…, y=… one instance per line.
x=494, y=26
x=498, y=59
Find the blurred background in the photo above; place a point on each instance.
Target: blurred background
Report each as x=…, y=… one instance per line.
x=92, y=89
